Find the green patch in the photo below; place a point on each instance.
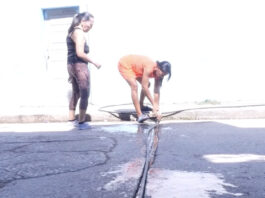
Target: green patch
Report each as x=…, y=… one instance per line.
x=208, y=101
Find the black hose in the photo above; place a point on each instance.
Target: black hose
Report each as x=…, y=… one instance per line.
x=151, y=147
x=170, y=113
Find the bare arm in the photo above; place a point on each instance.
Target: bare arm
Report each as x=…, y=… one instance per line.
x=145, y=83
x=158, y=83
x=78, y=37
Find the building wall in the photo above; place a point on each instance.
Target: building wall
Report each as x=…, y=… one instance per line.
x=216, y=49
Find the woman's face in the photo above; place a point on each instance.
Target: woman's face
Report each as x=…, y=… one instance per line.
x=87, y=25
x=159, y=73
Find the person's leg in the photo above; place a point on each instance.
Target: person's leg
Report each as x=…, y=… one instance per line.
x=82, y=115
x=142, y=94
x=74, y=99
x=142, y=97
x=134, y=94
x=75, y=93
x=83, y=78
x=129, y=76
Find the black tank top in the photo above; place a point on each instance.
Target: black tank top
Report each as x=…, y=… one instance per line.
x=71, y=55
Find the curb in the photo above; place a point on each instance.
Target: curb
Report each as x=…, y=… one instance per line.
x=215, y=113
x=192, y=113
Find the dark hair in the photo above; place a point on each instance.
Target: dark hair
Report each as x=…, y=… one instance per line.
x=165, y=67
x=84, y=16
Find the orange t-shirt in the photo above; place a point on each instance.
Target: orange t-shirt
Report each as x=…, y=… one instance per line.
x=132, y=66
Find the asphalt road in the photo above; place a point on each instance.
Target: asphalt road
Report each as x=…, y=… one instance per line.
x=182, y=159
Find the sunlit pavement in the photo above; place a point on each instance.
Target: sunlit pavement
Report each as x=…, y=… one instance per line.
x=186, y=159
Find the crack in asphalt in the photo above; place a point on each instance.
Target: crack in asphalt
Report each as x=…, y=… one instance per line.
x=51, y=141
x=113, y=141
x=15, y=148
x=3, y=183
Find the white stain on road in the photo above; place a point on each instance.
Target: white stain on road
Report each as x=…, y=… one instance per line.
x=182, y=184
x=128, y=128
x=234, y=158
x=129, y=171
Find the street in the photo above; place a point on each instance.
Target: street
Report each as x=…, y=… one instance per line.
x=175, y=159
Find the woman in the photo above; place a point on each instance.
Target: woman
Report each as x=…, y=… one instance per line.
x=140, y=68
x=77, y=63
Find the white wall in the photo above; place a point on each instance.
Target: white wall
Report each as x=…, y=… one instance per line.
x=216, y=47
x=21, y=53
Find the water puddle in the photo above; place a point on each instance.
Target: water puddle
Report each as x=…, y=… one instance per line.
x=124, y=173
x=120, y=128
x=181, y=184
x=157, y=183
x=234, y=158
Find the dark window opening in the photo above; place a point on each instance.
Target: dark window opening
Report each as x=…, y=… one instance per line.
x=63, y=12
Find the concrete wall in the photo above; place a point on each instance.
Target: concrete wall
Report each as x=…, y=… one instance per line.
x=216, y=49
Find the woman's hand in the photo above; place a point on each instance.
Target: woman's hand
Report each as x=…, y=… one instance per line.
x=155, y=108
x=156, y=114
x=97, y=65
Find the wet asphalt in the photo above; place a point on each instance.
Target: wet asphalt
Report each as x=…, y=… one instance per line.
x=186, y=159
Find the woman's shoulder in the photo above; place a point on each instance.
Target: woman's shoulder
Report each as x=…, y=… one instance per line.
x=77, y=32
x=77, y=28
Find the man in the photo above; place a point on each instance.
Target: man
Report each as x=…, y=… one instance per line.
x=140, y=68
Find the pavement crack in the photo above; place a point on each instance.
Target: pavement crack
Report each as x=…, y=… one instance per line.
x=50, y=141
x=3, y=183
x=52, y=174
x=114, y=145
x=19, y=175
x=22, y=177
x=15, y=148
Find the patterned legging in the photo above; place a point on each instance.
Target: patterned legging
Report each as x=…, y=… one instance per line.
x=79, y=76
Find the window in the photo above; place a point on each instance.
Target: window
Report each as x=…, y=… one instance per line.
x=63, y=12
